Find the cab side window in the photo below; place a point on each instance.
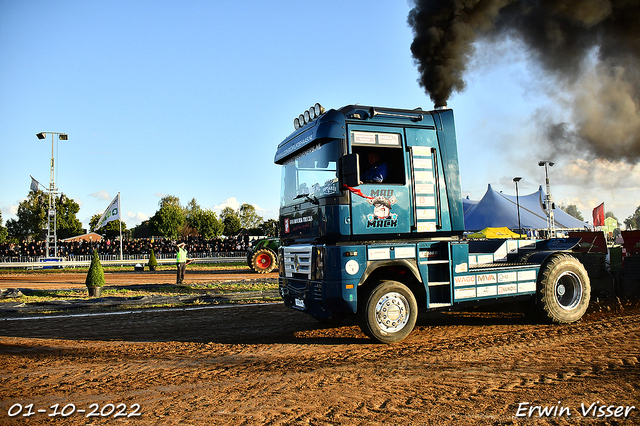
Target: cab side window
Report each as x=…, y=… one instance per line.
x=381, y=157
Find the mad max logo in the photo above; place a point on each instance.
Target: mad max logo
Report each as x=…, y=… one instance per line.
x=382, y=216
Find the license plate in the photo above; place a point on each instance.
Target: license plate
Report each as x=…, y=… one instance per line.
x=299, y=303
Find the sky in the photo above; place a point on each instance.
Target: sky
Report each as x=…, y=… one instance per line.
x=191, y=99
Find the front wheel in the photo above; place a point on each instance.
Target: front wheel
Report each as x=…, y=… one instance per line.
x=565, y=290
x=263, y=261
x=389, y=312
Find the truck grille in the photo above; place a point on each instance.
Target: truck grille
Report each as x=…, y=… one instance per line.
x=297, y=262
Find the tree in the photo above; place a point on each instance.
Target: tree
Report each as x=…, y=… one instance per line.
x=67, y=224
x=31, y=217
x=170, y=219
x=270, y=227
x=572, y=210
x=169, y=200
x=186, y=230
x=206, y=222
x=95, y=276
x=248, y=216
x=14, y=230
x=230, y=221
x=3, y=231
x=231, y=225
x=191, y=208
x=167, y=221
x=141, y=231
x=227, y=211
x=111, y=230
x=632, y=222
x=153, y=262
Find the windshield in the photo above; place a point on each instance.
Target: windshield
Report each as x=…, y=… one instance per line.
x=311, y=174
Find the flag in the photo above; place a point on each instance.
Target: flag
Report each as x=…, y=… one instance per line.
x=598, y=215
x=34, y=184
x=111, y=213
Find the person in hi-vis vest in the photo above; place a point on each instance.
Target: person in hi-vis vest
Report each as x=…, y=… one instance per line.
x=182, y=261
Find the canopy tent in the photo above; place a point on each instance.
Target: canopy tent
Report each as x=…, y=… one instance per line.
x=495, y=233
x=496, y=209
x=467, y=204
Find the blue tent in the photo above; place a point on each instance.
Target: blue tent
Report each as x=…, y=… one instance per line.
x=496, y=209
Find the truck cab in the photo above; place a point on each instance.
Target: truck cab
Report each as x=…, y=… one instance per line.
x=383, y=245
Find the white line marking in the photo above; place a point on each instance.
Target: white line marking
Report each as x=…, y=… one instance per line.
x=139, y=311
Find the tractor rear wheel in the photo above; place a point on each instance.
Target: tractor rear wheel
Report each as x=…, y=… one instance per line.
x=263, y=261
x=249, y=258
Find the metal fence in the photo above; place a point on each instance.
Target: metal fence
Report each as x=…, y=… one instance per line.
x=73, y=261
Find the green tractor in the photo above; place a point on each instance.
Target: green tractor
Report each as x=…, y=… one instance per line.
x=263, y=256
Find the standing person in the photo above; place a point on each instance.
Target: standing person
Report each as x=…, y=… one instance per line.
x=182, y=262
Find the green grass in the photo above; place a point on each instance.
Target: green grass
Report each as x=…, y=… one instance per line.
x=230, y=287
x=35, y=297
x=129, y=268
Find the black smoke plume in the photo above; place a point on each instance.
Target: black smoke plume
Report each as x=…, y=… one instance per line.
x=564, y=37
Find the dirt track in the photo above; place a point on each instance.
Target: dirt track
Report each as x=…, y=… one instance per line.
x=268, y=365
x=77, y=280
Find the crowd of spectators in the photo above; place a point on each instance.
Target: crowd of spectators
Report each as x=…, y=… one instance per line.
x=195, y=246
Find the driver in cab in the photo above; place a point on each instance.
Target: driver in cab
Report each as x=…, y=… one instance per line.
x=377, y=171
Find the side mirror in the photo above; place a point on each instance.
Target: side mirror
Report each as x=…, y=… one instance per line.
x=350, y=170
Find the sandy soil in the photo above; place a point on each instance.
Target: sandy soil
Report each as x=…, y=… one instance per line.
x=265, y=364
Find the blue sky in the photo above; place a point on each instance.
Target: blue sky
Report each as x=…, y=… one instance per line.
x=191, y=98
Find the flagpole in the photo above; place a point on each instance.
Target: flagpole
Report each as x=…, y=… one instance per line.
x=120, y=223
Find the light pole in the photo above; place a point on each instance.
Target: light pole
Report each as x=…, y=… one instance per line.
x=549, y=205
x=516, y=180
x=51, y=211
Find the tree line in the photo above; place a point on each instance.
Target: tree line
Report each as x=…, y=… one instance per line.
x=171, y=220
x=630, y=223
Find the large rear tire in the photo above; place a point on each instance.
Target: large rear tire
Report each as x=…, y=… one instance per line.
x=388, y=312
x=263, y=261
x=565, y=290
x=249, y=257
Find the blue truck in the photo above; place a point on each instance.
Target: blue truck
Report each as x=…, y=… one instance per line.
x=381, y=249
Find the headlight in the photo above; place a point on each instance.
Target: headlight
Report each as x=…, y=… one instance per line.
x=308, y=116
x=281, y=269
x=319, y=262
